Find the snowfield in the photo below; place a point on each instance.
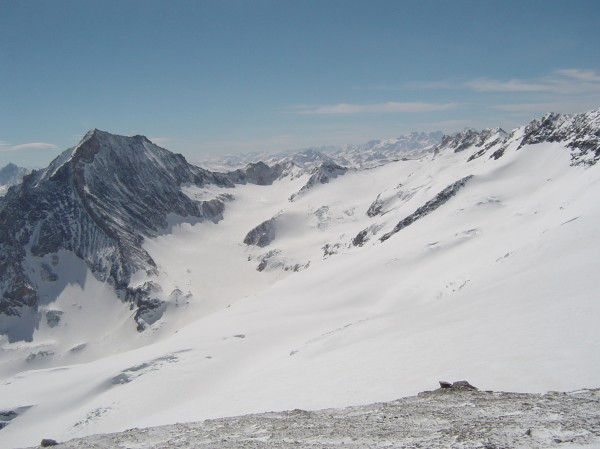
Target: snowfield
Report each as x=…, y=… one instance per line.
x=495, y=283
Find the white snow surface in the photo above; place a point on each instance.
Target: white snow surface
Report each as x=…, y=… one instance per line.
x=497, y=286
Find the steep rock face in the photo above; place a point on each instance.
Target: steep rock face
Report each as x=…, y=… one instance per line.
x=97, y=200
x=261, y=235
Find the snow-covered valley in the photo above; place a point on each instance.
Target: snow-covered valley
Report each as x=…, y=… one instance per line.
x=470, y=262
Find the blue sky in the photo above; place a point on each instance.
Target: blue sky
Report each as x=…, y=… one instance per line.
x=208, y=77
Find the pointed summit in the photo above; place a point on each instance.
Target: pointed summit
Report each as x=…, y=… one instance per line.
x=98, y=201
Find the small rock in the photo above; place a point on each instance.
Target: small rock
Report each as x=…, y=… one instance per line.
x=47, y=442
x=463, y=385
x=444, y=384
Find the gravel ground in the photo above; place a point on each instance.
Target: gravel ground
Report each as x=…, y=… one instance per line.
x=444, y=418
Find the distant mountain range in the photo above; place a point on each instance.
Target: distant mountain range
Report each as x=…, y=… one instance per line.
x=368, y=155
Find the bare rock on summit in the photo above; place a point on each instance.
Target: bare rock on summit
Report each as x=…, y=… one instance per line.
x=463, y=385
x=458, y=385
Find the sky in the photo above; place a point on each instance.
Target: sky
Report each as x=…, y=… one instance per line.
x=204, y=78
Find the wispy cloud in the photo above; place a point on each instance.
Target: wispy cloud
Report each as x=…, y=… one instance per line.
x=379, y=108
x=513, y=85
x=528, y=107
x=6, y=147
x=589, y=76
x=560, y=81
x=426, y=85
x=564, y=82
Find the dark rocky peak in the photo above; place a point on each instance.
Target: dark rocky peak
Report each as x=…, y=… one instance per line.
x=98, y=200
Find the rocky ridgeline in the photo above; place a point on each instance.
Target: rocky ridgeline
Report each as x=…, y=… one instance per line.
x=580, y=133
x=471, y=138
x=454, y=416
x=430, y=206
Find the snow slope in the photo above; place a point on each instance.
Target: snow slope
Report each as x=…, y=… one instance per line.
x=496, y=284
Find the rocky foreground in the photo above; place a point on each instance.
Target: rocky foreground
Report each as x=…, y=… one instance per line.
x=444, y=418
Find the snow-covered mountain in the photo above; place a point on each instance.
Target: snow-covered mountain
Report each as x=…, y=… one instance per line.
x=96, y=202
x=11, y=175
x=279, y=288
x=368, y=155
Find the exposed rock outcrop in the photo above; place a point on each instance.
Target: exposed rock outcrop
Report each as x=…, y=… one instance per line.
x=262, y=235
x=431, y=205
